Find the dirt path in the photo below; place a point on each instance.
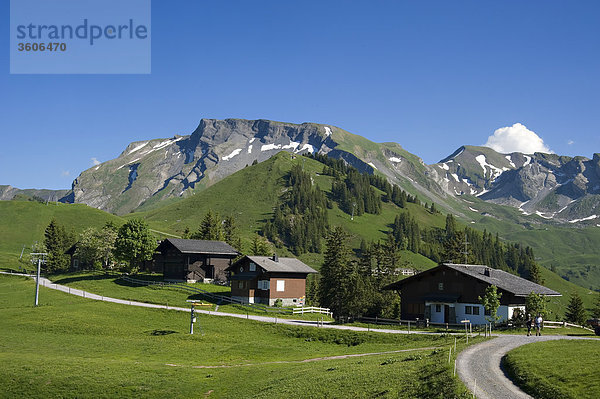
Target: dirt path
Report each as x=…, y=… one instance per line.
x=316, y=359
x=479, y=366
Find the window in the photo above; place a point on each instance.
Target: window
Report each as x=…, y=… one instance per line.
x=263, y=284
x=280, y=285
x=441, y=286
x=252, y=267
x=487, y=312
x=476, y=310
x=438, y=308
x=468, y=309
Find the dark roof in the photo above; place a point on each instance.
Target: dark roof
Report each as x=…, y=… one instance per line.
x=200, y=246
x=282, y=265
x=501, y=279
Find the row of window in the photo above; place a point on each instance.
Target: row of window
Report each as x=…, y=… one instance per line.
x=262, y=285
x=469, y=309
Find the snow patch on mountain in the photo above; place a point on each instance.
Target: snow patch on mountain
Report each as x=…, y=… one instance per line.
x=137, y=148
x=395, y=159
x=327, y=131
x=583, y=219
x=233, y=154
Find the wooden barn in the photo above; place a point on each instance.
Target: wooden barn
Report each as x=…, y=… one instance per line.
x=262, y=279
x=194, y=260
x=450, y=293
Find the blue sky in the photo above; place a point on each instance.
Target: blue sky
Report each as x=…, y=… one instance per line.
x=429, y=75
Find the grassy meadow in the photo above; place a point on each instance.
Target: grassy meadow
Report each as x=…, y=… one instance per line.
x=75, y=347
x=556, y=369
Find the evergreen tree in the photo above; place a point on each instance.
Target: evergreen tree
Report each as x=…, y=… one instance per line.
x=576, y=311
x=56, y=242
x=596, y=309
x=231, y=233
x=535, y=273
x=260, y=246
x=134, y=244
x=211, y=228
x=336, y=285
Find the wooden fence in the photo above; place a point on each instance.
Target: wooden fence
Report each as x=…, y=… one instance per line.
x=312, y=309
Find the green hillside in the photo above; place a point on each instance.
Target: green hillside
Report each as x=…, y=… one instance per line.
x=23, y=223
x=251, y=194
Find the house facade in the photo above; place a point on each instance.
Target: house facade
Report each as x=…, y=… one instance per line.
x=449, y=293
x=262, y=279
x=194, y=260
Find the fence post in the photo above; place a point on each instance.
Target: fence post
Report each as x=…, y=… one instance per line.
x=409, y=326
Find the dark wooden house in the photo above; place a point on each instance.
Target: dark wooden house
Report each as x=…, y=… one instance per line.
x=194, y=260
x=262, y=279
x=450, y=293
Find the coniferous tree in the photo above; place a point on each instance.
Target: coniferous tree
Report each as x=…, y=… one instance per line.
x=210, y=229
x=575, y=310
x=336, y=285
x=231, y=233
x=596, y=308
x=260, y=246
x=56, y=242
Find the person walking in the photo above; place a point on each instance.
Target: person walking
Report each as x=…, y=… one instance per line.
x=529, y=324
x=538, y=325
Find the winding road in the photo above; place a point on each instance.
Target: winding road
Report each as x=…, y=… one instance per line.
x=478, y=366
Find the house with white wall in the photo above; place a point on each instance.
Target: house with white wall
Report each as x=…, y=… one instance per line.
x=450, y=293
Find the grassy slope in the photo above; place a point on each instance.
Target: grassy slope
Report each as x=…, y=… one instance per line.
x=23, y=223
x=73, y=347
x=557, y=369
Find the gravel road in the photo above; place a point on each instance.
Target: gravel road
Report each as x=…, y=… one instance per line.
x=479, y=366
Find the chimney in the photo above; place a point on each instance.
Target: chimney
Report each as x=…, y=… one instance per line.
x=275, y=258
x=487, y=272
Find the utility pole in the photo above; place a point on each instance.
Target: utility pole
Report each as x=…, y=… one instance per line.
x=353, y=206
x=40, y=259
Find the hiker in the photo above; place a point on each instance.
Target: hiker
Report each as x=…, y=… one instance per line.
x=538, y=325
x=529, y=324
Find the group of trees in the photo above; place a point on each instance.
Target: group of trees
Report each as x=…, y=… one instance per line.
x=352, y=288
x=354, y=193
x=126, y=247
x=216, y=228
x=300, y=221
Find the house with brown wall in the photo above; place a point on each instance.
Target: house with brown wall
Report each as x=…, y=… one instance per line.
x=262, y=279
x=194, y=260
x=450, y=293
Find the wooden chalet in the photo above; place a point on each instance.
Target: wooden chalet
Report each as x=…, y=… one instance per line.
x=194, y=260
x=450, y=293
x=262, y=279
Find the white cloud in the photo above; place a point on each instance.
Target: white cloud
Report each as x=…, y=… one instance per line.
x=516, y=138
x=570, y=142
x=95, y=161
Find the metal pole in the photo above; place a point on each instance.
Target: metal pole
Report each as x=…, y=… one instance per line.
x=37, y=282
x=192, y=320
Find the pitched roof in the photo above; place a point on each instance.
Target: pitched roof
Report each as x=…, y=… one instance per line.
x=282, y=265
x=201, y=246
x=501, y=279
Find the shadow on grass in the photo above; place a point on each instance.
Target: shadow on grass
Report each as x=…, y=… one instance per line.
x=93, y=277
x=161, y=332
